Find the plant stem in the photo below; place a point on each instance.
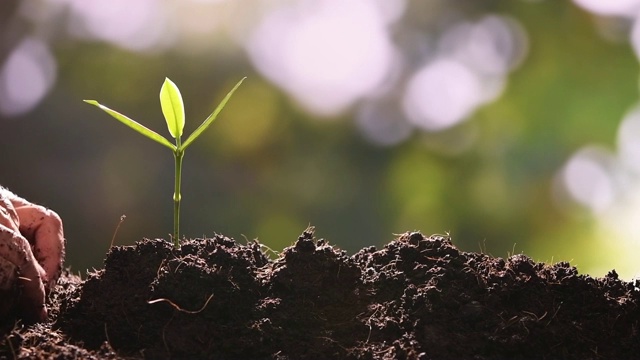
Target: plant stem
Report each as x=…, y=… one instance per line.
x=178, y=154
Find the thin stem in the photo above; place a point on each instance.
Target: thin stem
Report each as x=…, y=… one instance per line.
x=178, y=154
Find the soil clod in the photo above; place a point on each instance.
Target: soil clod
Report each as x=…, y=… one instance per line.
x=416, y=298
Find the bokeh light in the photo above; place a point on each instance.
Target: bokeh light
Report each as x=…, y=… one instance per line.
x=589, y=180
x=133, y=25
x=492, y=46
x=325, y=54
x=628, y=141
x=610, y=7
x=470, y=70
x=442, y=94
x=382, y=122
x=26, y=77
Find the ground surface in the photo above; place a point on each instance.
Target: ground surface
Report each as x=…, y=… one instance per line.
x=416, y=298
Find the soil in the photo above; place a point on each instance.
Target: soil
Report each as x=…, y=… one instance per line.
x=416, y=298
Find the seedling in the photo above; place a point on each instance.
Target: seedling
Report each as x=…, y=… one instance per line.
x=173, y=111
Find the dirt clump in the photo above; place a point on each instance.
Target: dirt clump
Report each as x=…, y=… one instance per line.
x=416, y=298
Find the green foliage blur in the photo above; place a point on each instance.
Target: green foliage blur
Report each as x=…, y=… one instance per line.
x=269, y=166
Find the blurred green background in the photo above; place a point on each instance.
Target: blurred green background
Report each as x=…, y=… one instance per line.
x=512, y=125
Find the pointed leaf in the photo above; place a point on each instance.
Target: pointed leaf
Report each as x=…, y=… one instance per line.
x=172, y=107
x=134, y=125
x=209, y=120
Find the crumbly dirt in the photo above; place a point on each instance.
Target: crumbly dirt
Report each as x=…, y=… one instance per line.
x=416, y=298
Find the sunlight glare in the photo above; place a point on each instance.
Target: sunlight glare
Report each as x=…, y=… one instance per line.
x=619, y=230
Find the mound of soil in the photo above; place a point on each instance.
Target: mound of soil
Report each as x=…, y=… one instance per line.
x=416, y=298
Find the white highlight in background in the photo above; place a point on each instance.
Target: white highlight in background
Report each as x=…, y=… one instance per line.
x=589, y=178
x=441, y=95
x=26, y=77
x=138, y=25
x=610, y=7
x=326, y=54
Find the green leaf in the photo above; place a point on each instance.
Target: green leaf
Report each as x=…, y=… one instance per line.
x=207, y=122
x=134, y=125
x=172, y=108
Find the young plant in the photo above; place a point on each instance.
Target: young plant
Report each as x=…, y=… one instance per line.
x=173, y=111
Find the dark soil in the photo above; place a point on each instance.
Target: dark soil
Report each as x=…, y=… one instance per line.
x=416, y=298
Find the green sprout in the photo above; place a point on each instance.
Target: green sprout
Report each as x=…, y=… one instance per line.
x=173, y=111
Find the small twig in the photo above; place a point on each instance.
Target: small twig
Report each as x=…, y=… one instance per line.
x=164, y=332
x=116, y=231
x=178, y=307
x=554, y=315
x=8, y=340
x=159, y=267
x=106, y=335
x=263, y=246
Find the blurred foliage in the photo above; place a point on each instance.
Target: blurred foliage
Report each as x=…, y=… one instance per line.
x=268, y=168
